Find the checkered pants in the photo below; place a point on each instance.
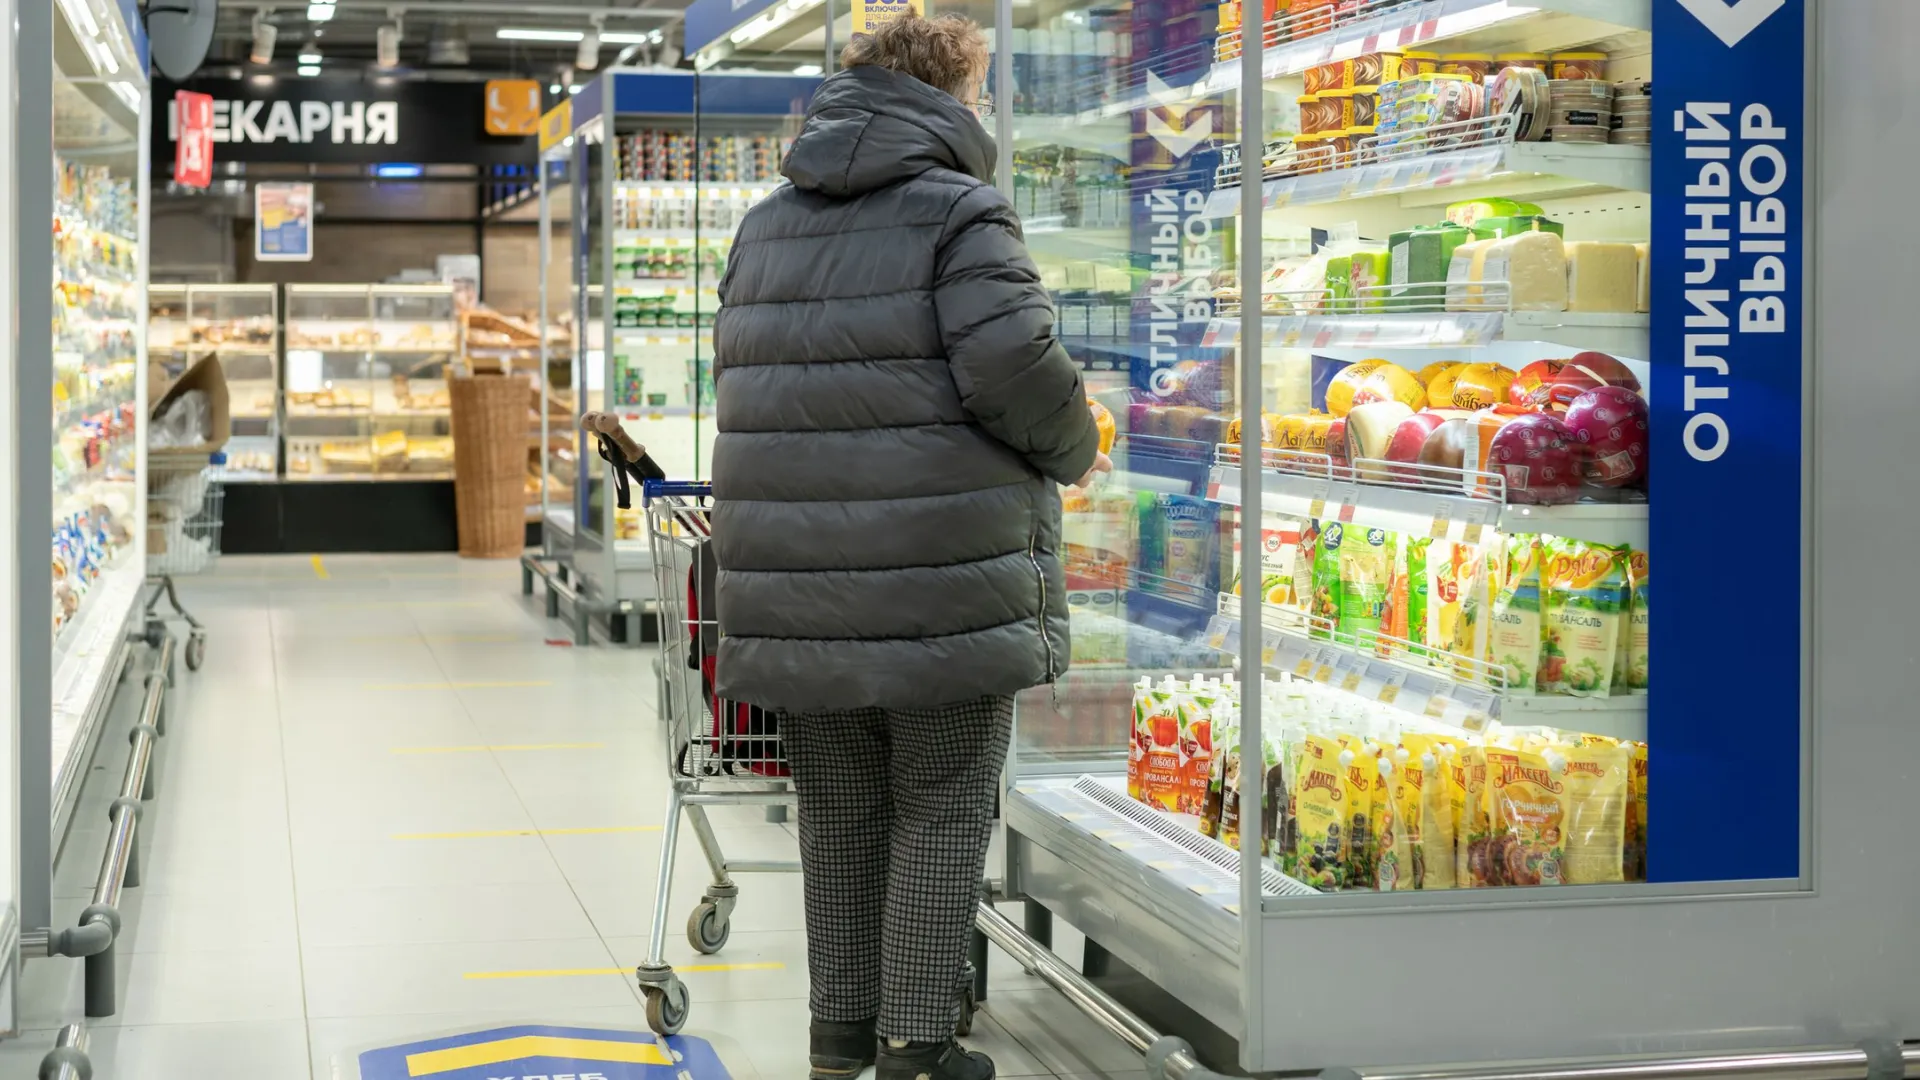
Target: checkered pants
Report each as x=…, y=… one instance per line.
x=895, y=810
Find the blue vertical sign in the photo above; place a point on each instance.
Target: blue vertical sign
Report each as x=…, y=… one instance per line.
x=1729, y=366
x=1174, y=245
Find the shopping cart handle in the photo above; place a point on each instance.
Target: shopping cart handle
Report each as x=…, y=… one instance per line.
x=675, y=489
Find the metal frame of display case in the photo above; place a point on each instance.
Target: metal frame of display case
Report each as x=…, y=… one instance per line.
x=247, y=424
x=585, y=565
x=1399, y=984
x=79, y=94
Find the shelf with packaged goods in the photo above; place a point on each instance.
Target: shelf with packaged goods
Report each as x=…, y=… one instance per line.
x=1533, y=170
x=1341, y=326
x=1293, y=43
x=1419, y=680
x=1317, y=491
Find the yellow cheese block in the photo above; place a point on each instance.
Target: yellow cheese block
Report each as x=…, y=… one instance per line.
x=1469, y=259
x=1645, y=299
x=1602, y=276
x=1534, y=266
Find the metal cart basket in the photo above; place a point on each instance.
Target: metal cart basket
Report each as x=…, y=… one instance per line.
x=186, y=498
x=718, y=752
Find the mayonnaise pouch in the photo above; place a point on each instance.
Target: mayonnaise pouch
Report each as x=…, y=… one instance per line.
x=1596, y=820
x=1585, y=614
x=1529, y=810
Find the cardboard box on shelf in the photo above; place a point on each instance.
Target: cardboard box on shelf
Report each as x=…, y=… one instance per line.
x=204, y=375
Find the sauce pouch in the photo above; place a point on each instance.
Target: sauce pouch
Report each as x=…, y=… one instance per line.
x=1596, y=821
x=1328, y=589
x=1321, y=796
x=1529, y=815
x=1366, y=567
x=1401, y=863
x=1427, y=801
x=1515, y=635
x=1585, y=613
x=1474, y=866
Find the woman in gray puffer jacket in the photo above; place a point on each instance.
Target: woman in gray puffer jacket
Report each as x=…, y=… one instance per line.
x=895, y=419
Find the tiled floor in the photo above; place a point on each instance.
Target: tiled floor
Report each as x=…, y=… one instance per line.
x=386, y=781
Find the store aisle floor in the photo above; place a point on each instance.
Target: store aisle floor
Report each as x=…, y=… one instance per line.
x=396, y=803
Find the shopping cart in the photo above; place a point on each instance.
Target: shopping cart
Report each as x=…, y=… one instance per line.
x=718, y=752
x=186, y=499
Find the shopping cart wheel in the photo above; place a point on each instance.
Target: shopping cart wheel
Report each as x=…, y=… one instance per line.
x=963, y=1024
x=196, y=650
x=707, y=928
x=666, y=1006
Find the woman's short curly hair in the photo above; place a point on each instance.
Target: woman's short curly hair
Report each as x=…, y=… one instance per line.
x=947, y=52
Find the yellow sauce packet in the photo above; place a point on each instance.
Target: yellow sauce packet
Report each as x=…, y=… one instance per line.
x=1473, y=831
x=1322, y=805
x=1528, y=820
x=1596, y=825
x=1427, y=776
x=1636, y=844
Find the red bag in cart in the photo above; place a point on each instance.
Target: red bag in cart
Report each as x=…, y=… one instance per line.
x=745, y=735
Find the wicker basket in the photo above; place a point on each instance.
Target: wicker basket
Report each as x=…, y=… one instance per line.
x=489, y=459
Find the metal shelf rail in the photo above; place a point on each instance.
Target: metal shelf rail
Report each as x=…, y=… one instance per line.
x=1169, y=1057
x=93, y=938
x=560, y=586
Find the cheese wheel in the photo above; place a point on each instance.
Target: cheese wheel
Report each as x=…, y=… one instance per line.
x=1464, y=274
x=1391, y=382
x=1341, y=390
x=1481, y=385
x=1369, y=430
x=1440, y=388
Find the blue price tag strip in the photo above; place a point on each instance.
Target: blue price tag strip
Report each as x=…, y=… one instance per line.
x=542, y=1052
x=1729, y=360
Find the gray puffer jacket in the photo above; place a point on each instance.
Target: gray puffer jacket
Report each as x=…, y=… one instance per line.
x=894, y=418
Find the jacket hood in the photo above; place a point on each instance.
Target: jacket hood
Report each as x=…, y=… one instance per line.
x=870, y=127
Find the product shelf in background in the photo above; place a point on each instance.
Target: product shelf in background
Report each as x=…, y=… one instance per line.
x=1523, y=170
x=1466, y=25
x=1424, y=512
x=1451, y=690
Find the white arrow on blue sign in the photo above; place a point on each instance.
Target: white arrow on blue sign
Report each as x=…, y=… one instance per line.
x=1732, y=20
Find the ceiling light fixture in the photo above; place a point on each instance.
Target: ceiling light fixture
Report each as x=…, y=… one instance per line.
x=309, y=70
x=807, y=69
x=264, y=36
x=764, y=24
x=310, y=55
x=320, y=11
x=386, y=48
x=554, y=89
x=587, y=56
x=607, y=37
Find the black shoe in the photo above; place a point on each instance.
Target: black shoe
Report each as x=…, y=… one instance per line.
x=934, y=1061
x=841, y=1051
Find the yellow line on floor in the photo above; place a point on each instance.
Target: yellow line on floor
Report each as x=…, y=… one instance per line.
x=484, y=834
x=458, y=685
x=480, y=749
x=320, y=568
x=555, y=973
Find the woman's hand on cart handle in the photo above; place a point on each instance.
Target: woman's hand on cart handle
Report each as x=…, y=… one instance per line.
x=608, y=424
x=1101, y=464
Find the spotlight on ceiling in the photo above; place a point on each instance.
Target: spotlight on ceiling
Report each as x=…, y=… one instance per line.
x=320, y=11
x=310, y=55
x=386, y=46
x=264, y=35
x=587, y=57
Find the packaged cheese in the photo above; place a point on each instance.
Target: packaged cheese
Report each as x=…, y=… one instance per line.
x=1645, y=295
x=1462, y=268
x=1422, y=260
x=1498, y=228
x=1602, y=276
x=1470, y=211
x=1372, y=269
x=1534, y=266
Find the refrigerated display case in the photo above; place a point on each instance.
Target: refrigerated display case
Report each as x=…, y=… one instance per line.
x=76, y=226
x=1473, y=288
x=365, y=387
x=663, y=165
x=240, y=326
